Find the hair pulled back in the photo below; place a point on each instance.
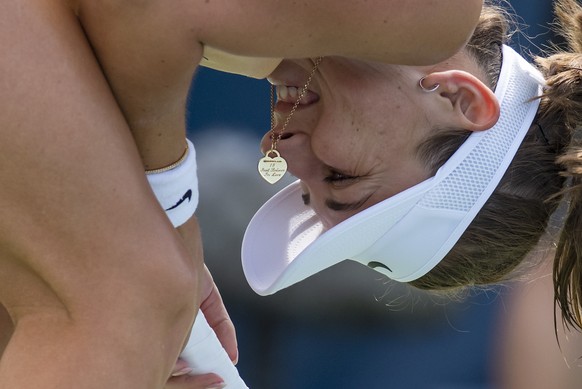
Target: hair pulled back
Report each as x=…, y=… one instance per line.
x=546, y=168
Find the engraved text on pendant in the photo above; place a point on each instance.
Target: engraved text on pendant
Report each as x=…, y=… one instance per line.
x=272, y=169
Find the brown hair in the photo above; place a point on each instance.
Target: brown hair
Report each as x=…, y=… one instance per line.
x=547, y=167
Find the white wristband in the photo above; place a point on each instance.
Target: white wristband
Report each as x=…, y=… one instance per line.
x=177, y=188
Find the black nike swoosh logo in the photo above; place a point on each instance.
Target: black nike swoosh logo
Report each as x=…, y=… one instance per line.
x=375, y=264
x=187, y=196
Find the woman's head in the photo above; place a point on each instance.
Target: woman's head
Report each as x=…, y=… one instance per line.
x=354, y=138
x=516, y=214
x=406, y=235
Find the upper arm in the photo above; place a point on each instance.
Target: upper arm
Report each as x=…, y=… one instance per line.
x=396, y=31
x=74, y=201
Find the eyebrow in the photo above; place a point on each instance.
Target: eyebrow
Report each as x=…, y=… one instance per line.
x=338, y=206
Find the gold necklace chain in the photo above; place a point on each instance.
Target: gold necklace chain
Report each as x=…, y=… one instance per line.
x=273, y=168
x=276, y=139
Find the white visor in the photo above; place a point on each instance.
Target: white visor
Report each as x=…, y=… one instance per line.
x=408, y=234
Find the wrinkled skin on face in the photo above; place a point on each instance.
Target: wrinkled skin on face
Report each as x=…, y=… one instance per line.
x=353, y=139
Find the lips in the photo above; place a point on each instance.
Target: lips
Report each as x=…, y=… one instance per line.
x=287, y=97
x=289, y=81
x=290, y=94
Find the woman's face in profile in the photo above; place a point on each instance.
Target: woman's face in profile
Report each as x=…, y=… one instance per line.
x=352, y=141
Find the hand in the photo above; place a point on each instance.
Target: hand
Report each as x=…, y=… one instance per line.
x=211, y=302
x=206, y=381
x=220, y=322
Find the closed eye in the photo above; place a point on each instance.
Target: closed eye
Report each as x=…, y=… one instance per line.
x=339, y=180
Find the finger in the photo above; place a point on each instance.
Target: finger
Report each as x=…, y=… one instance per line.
x=218, y=318
x=204, y=381
x=181, y=368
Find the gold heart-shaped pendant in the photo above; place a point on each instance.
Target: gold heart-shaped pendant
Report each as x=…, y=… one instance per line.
x=272, y=169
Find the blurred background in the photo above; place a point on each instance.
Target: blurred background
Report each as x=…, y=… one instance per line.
x=348, y=327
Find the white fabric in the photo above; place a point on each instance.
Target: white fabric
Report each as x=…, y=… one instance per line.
x=177, y=189
x=404, y=236
x=205, y=354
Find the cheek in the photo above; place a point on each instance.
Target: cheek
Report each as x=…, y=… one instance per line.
x=341, y=133
x=337, y=148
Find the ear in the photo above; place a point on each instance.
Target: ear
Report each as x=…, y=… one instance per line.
x=468, y=103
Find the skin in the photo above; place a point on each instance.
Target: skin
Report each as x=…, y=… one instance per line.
x=353, y=139
x=89, y=264
x=107, y=82
x=6, y=327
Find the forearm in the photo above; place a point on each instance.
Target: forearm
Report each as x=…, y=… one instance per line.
x=90, y=267
x=149, y=65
